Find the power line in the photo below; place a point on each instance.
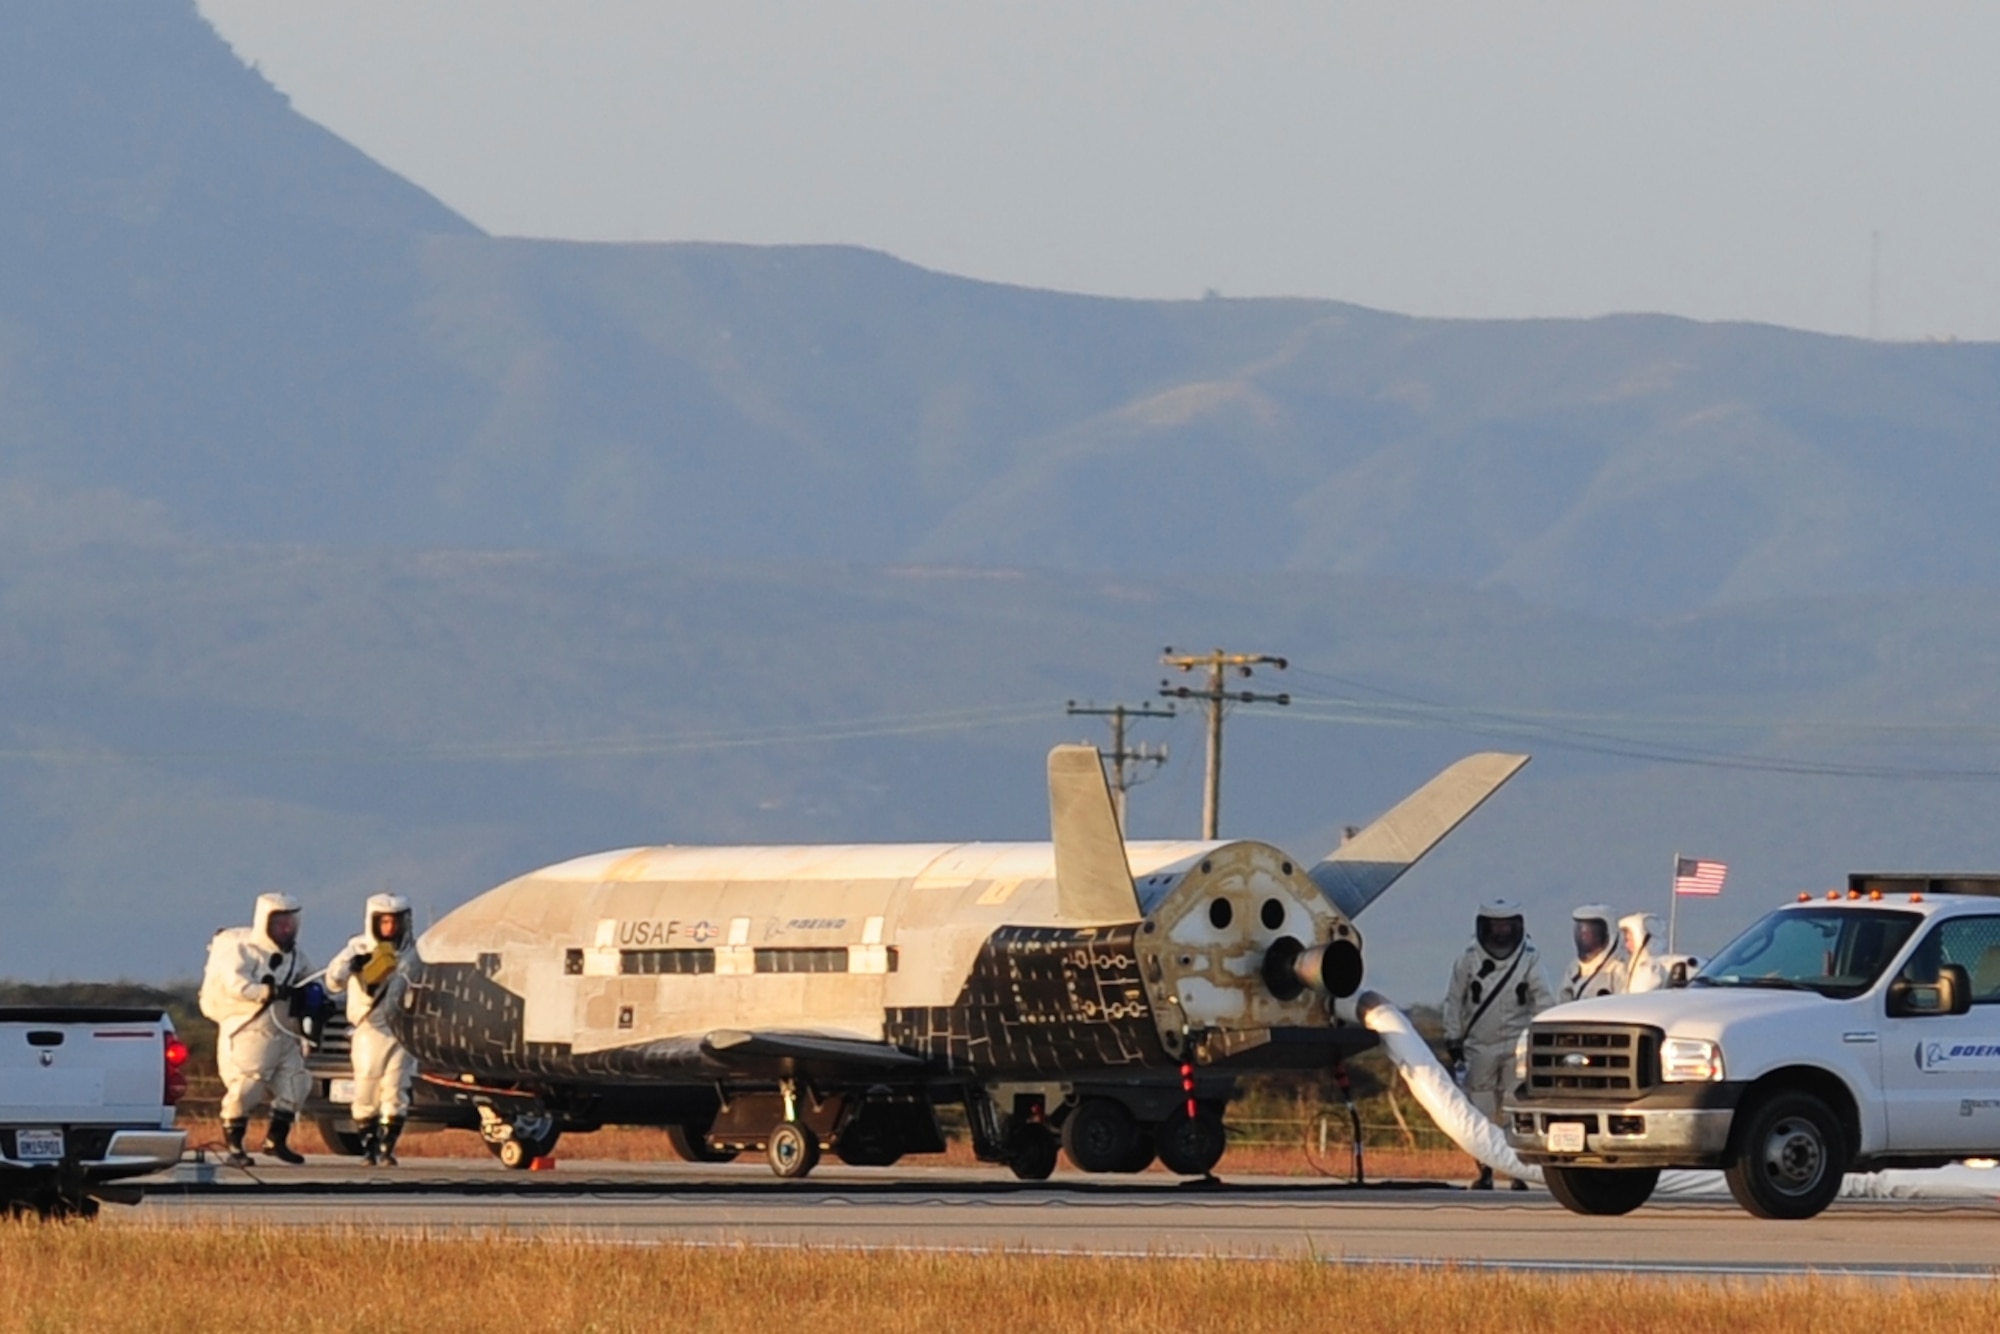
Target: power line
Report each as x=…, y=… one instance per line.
x=1600, y=734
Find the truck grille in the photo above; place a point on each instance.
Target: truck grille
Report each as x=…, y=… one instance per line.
x=329, y=1041
x=1609, y=1060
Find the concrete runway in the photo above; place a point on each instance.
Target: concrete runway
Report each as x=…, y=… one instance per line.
x=966, y=1209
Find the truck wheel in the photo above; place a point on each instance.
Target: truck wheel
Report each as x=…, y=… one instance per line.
x=346, y=1143
x=1601, y=1190
x=1788, y=1158
x=1190, y=1146
x=1034, y=1153
x=690, y=1145
x=1141, y=1156
x=868, y=1153
x=1100, y=1136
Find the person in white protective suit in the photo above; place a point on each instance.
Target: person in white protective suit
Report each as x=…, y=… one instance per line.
x=1497, y=986
x=373, y=970
x=1644, y=970
x=1599, y=969
x=255, y=980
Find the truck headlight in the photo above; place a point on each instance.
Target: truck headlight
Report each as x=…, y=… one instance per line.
x=1690, y=1061
x=1521, y=1058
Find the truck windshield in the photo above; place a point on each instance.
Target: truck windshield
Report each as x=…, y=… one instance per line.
x=1834, y=951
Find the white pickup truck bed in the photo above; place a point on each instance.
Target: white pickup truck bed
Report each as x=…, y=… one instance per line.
x=86, y=1100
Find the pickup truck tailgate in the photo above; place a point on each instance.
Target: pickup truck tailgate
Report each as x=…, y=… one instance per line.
x=82, y=1067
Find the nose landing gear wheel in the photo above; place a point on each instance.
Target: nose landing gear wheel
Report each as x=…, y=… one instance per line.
x=793, y=1151
x=517, y=1154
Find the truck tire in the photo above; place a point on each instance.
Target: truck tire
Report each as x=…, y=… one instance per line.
x=1787, y=1158
x=1033, y=1155
x=1191, y=1146
x=346, y=1143
x=690, y=1145
x=1602, y=1191
x=1100, y=1136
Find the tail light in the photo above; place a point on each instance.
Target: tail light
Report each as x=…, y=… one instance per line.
x=175, y=1055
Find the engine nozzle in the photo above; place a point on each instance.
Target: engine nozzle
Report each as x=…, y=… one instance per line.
x=1290, y=969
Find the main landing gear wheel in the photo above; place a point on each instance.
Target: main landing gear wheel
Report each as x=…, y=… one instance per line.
x=1191, y=1146
x=792, y=1151
x=1034, y=1153
x=1602, y=1191
x=1790, y=1158
x=1100, y=1136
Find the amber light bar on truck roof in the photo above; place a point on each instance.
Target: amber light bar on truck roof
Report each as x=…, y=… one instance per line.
x=1874, y=895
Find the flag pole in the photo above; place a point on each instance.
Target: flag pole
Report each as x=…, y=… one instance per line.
x=1674, y=904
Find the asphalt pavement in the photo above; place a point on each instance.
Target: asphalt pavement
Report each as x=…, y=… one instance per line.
x=936, y=1208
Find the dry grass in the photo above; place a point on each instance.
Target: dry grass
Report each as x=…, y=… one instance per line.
x=634, y=1144
x=79, y=1277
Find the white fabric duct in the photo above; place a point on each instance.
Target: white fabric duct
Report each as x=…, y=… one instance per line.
x=1432, y=1086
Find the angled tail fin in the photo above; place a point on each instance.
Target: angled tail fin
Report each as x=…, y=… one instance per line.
x=1355, y=874
x=1093, y=879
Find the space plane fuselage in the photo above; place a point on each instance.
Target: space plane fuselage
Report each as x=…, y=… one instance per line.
x=807, y=984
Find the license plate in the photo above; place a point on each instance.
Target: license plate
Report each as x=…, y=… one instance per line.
x=340, y=1090
x=38, y=1146
x=1565, y=1137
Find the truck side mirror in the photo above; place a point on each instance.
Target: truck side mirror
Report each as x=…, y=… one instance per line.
x=1951, y=993
x=1957, y=985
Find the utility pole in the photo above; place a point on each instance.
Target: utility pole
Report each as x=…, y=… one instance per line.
x=1120, y=758
x=1217, y=665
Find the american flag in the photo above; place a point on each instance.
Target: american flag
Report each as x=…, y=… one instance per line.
x=1698, y=877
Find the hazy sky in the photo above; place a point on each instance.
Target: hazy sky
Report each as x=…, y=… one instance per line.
x=1458, y=157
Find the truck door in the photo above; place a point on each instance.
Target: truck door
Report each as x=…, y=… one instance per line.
x=1941, y=1072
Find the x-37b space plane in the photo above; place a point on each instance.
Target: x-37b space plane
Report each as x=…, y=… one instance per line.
x=1085, y=995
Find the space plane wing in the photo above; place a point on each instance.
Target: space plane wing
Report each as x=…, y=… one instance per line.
x=1356, y=873
x=729, y=1045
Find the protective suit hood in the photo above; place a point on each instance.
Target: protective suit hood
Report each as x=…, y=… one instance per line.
x=1644, y=928
x=1500, y=928
x=386, y=904
x=268, y=906
x=1600, y=915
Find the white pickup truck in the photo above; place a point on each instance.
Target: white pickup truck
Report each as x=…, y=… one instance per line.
x=1847, y=1032
x=87, y=1098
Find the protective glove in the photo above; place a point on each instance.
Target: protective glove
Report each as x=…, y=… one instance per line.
x=357, y=963
x=1456, y=1051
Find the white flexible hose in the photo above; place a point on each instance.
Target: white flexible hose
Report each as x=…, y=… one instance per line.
x=1436, y=1090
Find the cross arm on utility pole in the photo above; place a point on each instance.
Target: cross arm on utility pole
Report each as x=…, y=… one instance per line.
x=1120, y=759
x=1216, y=665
